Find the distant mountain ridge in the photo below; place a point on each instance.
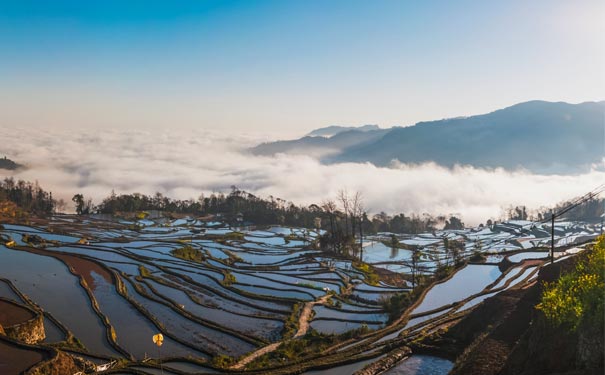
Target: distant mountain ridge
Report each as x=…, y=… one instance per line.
x=330, y=131
x=320, y=146
x=542, y=137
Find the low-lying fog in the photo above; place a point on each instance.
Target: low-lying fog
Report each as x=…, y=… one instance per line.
x=184, y=164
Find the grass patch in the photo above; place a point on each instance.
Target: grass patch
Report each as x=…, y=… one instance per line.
x=291, y=324
x=189, y=253
x=234, y=236
x=228, y=279
x=311, y=345
x=371, y=277
x=222, y=361
x=144, y=271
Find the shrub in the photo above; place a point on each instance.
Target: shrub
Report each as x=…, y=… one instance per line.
x=395, y=305
x=228, y=278
x=234, y=236
x=578, y=296
x=222, y=361
x=371, y=277
x=144, y=271
x=188, y=253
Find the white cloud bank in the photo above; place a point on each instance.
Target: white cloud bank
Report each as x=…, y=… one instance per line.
x=185, y=164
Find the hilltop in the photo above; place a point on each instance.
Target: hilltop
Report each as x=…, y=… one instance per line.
x=6, y=163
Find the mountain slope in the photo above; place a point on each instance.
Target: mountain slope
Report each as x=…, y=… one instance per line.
x=542, y=137
x=320, y=146
x=539, y=136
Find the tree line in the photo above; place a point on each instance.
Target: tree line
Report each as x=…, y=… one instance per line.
x=344, y=216
x=591, y=211
x=28, y=196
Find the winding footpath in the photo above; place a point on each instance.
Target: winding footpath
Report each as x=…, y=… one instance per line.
x=303, y=327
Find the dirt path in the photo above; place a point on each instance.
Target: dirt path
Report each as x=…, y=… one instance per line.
x=303, y=327
x=264, y=350
x=305, y=315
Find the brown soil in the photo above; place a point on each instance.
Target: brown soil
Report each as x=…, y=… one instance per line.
x=11, y=314
x=15, y=360
x=305, y=315
x=81, y=266
x=390, y=277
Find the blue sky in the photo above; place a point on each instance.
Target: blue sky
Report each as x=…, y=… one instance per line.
x=290, y=66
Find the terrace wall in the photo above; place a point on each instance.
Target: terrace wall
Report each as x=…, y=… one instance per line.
x=30, y=331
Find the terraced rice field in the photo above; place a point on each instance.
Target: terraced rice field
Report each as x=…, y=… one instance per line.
x=106, y=286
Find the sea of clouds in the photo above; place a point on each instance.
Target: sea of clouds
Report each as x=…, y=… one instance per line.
x=184, y=164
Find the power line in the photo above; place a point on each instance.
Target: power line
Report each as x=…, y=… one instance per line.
x=573, y=203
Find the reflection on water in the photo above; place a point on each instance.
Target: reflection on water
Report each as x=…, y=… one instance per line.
x=422, y=365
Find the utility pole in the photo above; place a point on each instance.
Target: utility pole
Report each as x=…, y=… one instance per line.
x=552, y=238
x=561, y=212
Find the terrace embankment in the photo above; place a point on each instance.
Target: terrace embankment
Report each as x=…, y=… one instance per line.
x=505, y=335
x=20, y=322
x=19, y=358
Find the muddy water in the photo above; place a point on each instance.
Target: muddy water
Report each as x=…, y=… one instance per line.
x=14, y=360
x=48, y=282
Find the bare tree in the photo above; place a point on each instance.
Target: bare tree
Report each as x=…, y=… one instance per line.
x=357, y=213
x=329, y=207
x=343, y=197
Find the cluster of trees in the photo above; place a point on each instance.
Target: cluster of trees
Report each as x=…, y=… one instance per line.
x=412, y=224
x=6, y=163
x=590, y=210
x=28, y=196
x=345, y=218
x=237, y=203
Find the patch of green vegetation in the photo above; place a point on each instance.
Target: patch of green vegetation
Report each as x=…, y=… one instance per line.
x=144, y=271
x=477, y=257
x=189, y=253
x=233, y=257
x=291, y=324
x=33, y=239
x=292, y=237
x=577, y=297
x=443, y=271
x=234, y=236
x=228, y=279
x=134, y=227
x=371, y=277
x=309, y=285
x=396, y=304
x=222, y=361
x=311, y=345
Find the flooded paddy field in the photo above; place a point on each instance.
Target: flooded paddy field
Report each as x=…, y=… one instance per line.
x=107, y=285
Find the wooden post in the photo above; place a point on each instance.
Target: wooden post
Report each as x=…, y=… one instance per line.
x=552, y=238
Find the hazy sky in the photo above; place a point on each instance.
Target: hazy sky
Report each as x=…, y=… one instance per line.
x=290, y=66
